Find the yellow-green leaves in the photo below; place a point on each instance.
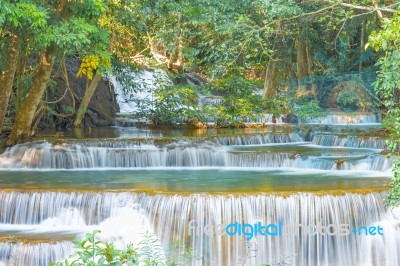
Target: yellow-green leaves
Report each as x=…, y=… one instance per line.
x=90, y=64
x=387, y=39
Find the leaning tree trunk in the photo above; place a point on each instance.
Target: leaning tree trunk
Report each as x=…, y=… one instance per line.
x=86, y=100
x=90, y=90
x=271, y=75
x=7, y=76
x=23, y=122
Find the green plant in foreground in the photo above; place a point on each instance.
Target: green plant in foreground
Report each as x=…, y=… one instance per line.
x=91, y=252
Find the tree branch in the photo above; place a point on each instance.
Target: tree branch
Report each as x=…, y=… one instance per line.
x=367, y=8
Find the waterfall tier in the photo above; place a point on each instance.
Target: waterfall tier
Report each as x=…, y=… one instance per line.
x=43, y=155
x=345, y=118
x=170, y=216
x=38, y=254
x=348, y=141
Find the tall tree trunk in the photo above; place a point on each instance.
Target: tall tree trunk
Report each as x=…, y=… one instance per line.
x=23, y=57
x=302, y=62
x=7, y=76
x=362, y=44
x=271, y=75
x=86, y=100
x=23, y=122
x=310, y=73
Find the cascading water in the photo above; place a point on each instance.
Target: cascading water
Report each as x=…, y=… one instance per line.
x=270, y=177
x=48, y=214
x=170, y=216
x=146, y=82
x=132, y=100
x=260, y=139
x=384, y=250
x=345, y=118
x=303, y=249
x=34, y=254
x=125, y=154
x=348, y=141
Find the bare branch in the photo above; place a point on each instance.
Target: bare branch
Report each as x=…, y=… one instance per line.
x=367, y=8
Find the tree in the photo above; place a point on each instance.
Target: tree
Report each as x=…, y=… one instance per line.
x=7, y=75
x=387, y=41
x=69, y=28
x=16, y=19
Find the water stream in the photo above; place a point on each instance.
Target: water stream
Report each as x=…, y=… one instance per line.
x=181, y=185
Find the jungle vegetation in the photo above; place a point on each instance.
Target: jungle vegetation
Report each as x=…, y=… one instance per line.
x=259, y=55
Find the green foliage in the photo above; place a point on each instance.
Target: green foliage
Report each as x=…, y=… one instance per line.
x=393, y=199
x=310, y=110
x=69, y=35
x=92, y=9
x=150, y=252
x=173, y=103
x=181, y=254
x=388, y=39
x=91, y=252
x=27, y=15
x=176, y=104
x=4, y=10
x=240, y=99
x=387, y=86
x=224, y=41
x=349, y=101
x=282, y=9
x=278, y=106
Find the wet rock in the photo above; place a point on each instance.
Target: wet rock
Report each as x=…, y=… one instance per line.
x=102, y=108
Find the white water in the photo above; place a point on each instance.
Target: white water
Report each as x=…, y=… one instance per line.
x=259, y=139
x=212, y=100
x=43, y=155
x=41, y=254
x=46, y=215
x=345, y=118
x=124, y=216
x=384, y=250
x=348, y=141
x=147, y=82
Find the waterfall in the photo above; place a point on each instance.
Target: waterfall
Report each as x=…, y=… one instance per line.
x=375, y=162
x=38, y=254
x=269, y=118
x=211, y=100
x=169, y=217
x=325, y=139
x=259, y=139
x=214, y=249
x=143, y=85
x=38, y=207
x=345, y=118
x=53, y=216
x=125, y=154
x=384, y=250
